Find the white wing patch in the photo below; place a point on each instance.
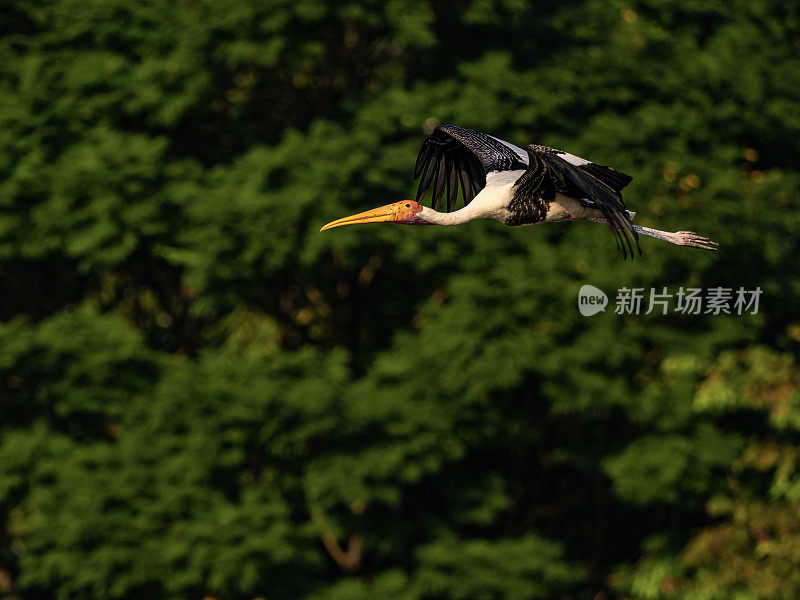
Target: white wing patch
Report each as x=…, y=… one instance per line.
x=572, y=159
x=499, y=179
x=523, y=155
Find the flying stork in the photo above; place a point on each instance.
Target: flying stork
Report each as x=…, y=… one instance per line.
x=517, y=187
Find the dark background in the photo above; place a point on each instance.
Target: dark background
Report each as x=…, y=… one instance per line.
x=203, y=396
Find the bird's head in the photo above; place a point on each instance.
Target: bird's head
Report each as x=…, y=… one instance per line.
x=405, y=211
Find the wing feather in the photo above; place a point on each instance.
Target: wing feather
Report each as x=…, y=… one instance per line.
x=440, y=181
x=583, y=179
x=427, y=176
x=452, y=154
x=466, y=184
x=452, y=186
x=422, y=159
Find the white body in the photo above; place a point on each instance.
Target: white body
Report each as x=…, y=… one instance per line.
x=493, y=200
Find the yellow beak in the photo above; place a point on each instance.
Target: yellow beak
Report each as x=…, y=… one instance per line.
x=383, y=214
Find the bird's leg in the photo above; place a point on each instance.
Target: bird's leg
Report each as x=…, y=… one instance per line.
x=681, y=238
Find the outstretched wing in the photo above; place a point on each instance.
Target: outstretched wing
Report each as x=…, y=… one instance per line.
x=552, y=170
x=453, y=155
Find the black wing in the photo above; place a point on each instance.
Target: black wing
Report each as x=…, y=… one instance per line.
x=453, y=155
x=553, y=171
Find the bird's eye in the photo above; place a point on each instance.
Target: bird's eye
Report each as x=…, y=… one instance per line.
x=408, y=206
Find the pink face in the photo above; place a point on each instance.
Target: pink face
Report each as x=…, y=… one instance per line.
x=407, y=211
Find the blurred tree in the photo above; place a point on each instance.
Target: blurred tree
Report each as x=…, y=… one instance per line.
x=203, y=396
x=750, y=549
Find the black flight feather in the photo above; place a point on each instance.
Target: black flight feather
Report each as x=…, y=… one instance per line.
x=422, y=159
x=439, y=181
x=452, y=188
x=466, y=184
x=608, y=176
x=435, y=184
x=427, y=177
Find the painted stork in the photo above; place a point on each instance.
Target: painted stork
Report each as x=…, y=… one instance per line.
x=517, y=187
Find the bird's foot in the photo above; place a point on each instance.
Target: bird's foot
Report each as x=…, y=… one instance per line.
x=691, y=239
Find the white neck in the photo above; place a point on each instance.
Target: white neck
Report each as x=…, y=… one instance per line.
x=433, y=217
x=490, y=203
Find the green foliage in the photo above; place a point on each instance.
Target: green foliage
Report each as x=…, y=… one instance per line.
x=750, y=549
x=671, y=468
x=203, y=396
x=482, y=570
x=75, y=370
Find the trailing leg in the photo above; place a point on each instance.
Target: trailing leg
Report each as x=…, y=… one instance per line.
x=680, y=238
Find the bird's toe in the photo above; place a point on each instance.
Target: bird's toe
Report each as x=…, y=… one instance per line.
x=691, y=239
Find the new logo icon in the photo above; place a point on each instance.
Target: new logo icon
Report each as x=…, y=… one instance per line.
x=591, y=300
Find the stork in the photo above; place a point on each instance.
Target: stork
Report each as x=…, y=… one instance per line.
x=516, y=186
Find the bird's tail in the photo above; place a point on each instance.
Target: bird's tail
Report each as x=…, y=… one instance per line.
x=608, y=176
